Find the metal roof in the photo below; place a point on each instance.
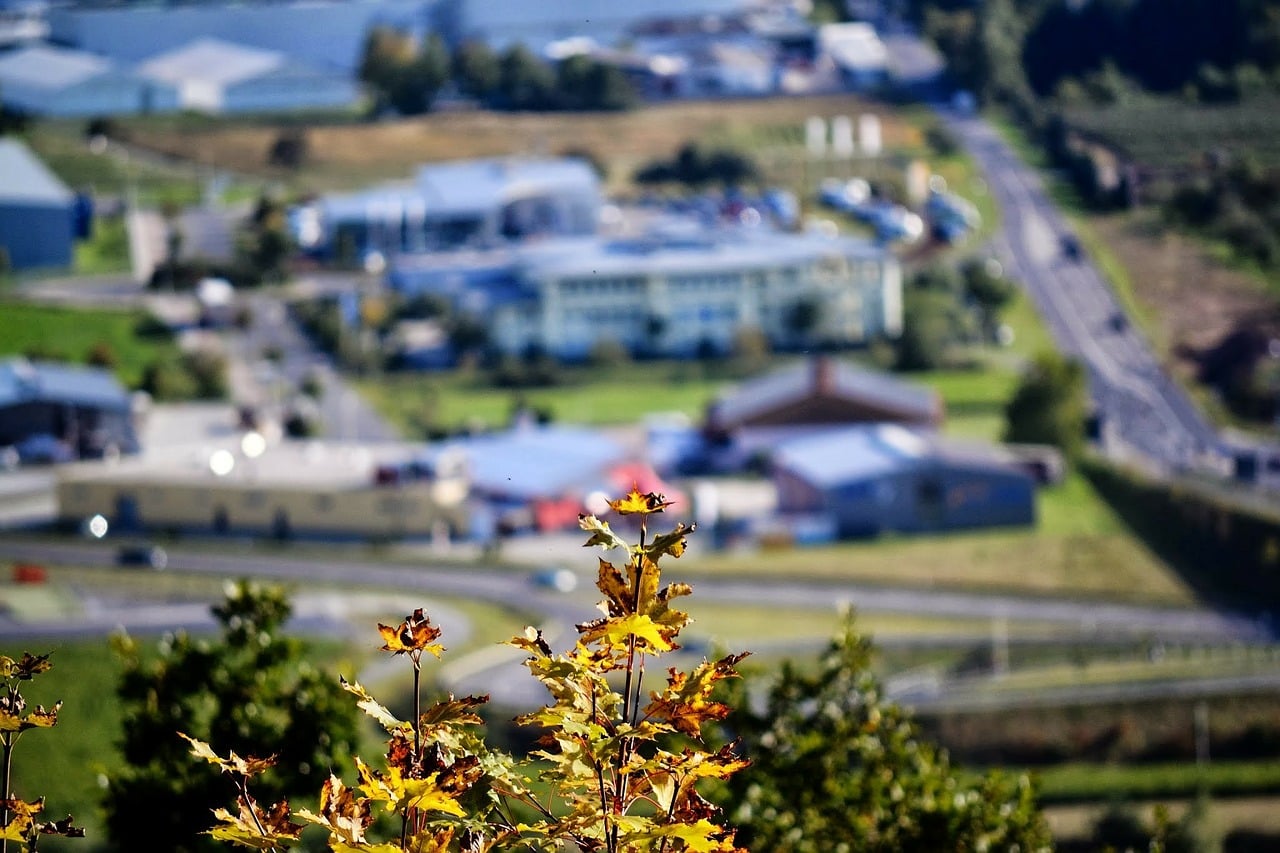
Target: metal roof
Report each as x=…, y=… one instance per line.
x=22, y=381
x=50, y=68
x=823, y=375
x=212, y=62
x=839, y=456
x=24, y=179
x=703, y=251
x=530, y=462
x=485, y=184
x=835, y=457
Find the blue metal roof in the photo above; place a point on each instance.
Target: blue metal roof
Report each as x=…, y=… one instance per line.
x=26, y=180
x=834, y=457
x=531, y=462
x=482, y=185
x=22, y=381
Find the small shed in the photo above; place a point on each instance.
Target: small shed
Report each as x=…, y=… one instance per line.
x=37, y=211
x=880, y=478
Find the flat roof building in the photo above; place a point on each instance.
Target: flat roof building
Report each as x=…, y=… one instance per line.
x=676, y=294
x=68, y=411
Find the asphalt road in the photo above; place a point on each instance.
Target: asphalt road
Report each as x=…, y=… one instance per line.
x=498, y=671
x=1146, y=415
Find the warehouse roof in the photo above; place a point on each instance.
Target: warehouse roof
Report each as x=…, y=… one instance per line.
x=24, y=179
x=51, y=68
x=530, y=462
x=22, y=381
x=213, y=62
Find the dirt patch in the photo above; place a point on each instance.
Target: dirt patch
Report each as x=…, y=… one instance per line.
x=348, y=155
x=1195, y=300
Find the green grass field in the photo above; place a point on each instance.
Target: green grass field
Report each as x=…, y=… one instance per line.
x=71, y=333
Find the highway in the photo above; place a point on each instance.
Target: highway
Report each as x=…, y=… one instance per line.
x=1147, y=417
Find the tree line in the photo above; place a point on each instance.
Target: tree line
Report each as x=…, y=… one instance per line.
x=407, y=75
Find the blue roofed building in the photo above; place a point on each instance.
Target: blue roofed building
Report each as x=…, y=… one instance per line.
x=324, y=34
x=55, y=412
x=220, y=77
x=873, y=479
x=37, y=211
x=56, y=81
x=469, y=203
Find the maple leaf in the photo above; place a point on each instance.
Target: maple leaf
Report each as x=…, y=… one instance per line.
x=372, y=707
x=616, y=631
x=702, y=836
x=413, y=636
x=25, y=668
x=672, y=542
x=344, y=814
x=686, y=702
x=65, y=828
x=246, y=767
x=635, y=503
x=601, y=533
x=453, y=712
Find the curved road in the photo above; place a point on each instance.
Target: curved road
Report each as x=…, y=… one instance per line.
x=498, y=671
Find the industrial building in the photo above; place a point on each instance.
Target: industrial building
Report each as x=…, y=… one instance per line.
x=669, y=294
x=55, y=412
x=56, y=81
x=468, y=203
x=873, y=479
x=323, y=34
x=220, y=77
x=286, y=489
x=37, y=211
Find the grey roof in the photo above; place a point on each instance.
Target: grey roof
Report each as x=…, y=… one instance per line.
x=50, y=68
x=22, y=381
x=835, y=457
x=24, y=179
x=530, y=462
x=842, y=379
x=701, y=251
x=211, y=61
x=832, y=457
x=481, y=185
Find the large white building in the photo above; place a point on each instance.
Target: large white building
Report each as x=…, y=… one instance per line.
x=214, y=76
x=56, y=81
x=669, y=294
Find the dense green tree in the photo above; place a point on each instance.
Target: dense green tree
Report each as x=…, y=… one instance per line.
x=928, y=330
x=249, y=690
x=837, y=767
x=583, y=83
x=525, y=82
x=476, y=70
x=696, y=166
x=1050, y=405
x=403, y=75
x=265, y=244
x=986, y=288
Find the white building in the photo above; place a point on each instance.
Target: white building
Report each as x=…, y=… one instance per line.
x=55, y=81
x=669, y=295
x=214, y=76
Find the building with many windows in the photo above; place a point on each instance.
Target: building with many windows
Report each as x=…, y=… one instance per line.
x=668, y=294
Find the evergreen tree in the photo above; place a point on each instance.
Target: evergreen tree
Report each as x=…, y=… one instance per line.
x=837, y=767
x=1050, y=405
x=249, y=691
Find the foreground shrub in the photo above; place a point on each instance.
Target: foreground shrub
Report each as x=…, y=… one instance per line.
x=616, y=773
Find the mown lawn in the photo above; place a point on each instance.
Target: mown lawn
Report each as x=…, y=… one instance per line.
x=70, y=334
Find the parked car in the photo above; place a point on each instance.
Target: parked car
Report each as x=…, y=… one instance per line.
x=556, y=577
x=146, y=556
x=1071, y=247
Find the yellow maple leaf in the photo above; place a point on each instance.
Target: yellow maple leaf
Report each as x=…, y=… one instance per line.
x=413, y=636
x=636, y=503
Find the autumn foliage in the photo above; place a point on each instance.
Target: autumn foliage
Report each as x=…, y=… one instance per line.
x=616, y=771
